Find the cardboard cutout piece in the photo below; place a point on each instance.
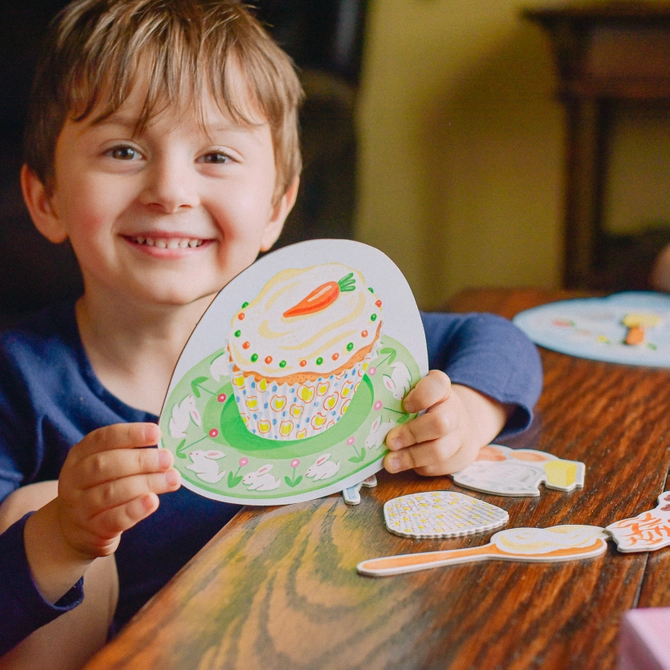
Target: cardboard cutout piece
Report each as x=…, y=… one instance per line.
x=441, y=514
x=554, y=544
x=503, y=471
x=631, y=328
x=647, y=531
x=293, y=377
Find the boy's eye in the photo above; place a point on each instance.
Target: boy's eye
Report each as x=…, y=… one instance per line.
x=124, y=153
x=215, y=157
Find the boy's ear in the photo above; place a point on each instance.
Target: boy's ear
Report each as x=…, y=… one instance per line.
x=40, y=206
x=279, y=213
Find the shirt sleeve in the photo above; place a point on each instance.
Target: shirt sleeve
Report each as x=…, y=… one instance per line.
x=23, y=609
x=489, y=354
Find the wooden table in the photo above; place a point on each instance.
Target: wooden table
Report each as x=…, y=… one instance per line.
x=277, y=587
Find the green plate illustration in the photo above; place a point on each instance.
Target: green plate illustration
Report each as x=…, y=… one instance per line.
x=219, y=458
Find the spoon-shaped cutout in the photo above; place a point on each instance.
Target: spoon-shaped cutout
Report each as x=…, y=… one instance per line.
x=557, y=543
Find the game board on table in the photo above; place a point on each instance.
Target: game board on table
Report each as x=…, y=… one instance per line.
x=631, y=328
x=293, y=377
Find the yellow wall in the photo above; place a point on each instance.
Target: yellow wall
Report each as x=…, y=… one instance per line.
x=461, y=145
x=461, y=163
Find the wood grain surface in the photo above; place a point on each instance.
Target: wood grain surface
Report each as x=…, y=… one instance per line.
x=277, y=587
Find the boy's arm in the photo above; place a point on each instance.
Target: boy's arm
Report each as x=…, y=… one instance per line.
x=488, y=379
x=107, y=485
x=23, y=609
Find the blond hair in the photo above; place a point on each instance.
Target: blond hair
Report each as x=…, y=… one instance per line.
x=90, y=64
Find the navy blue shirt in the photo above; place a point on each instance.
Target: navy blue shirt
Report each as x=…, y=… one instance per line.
x=50, y=398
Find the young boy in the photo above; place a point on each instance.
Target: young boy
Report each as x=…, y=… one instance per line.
x=162, y=142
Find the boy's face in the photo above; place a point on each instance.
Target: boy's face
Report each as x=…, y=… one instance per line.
x=165, y=217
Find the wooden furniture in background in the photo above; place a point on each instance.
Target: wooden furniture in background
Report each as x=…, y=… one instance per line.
x=606, y=53
x=278, y=588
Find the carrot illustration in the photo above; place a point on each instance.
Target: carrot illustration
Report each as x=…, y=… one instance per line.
x=322, y=296
x=637, y=325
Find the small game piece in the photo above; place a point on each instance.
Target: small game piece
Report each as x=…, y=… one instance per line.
x=637, y=323
x=647, y=531
x=441, y=514
x=557, y=543
x=352, y=495
x=643, y=639
x=503, y=471
x=632, y=328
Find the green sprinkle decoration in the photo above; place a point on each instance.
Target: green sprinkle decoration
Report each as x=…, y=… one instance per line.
x=245, y=304
x=350, y=346
x=319, y=360
x=254, y=358
x=371, y=289
x=282, y=364
x=373, y=317
x=238, y=333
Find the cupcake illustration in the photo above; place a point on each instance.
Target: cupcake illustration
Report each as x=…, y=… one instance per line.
x=298, y=351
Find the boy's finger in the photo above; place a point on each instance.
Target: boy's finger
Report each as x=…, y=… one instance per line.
x=430, y=390
x=430, y=426
x=113, y=521
x=120, y=492
x=107, y=466
x=119, y=436
x=427, y=458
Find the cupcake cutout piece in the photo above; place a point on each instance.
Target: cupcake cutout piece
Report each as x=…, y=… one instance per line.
x=291, y=380
x=648, y=531
x=531, y=545
x=441, y=514
x=503, y=471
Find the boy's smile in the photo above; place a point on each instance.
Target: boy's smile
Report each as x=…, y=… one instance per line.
x=166, y=216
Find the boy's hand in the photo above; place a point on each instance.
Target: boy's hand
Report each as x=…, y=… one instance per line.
x=108, y=484
x=458, y=421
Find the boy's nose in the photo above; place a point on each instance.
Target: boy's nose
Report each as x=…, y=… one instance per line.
x=169, y=187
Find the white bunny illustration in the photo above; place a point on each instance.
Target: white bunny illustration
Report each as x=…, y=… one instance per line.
x=322, y=468
x=378, y=432
x=205, y=466
x=261, y=479
x=182, y=413
x=399, y=381
x=219, y=367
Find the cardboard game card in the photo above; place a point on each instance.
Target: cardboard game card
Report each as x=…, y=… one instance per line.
x=631, y=327
x=503, y=471
x=533, y=545
x=293, y=377
x=441, y=514
x=647, y=531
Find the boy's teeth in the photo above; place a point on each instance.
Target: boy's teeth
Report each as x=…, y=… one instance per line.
x=169, y=243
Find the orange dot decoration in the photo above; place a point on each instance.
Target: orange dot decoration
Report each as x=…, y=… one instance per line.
x=364, y=333
x=303, y=363
x=378, y=303
x=240, y=316
x=246, y=345
x=335, y=356
x=268, y=359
